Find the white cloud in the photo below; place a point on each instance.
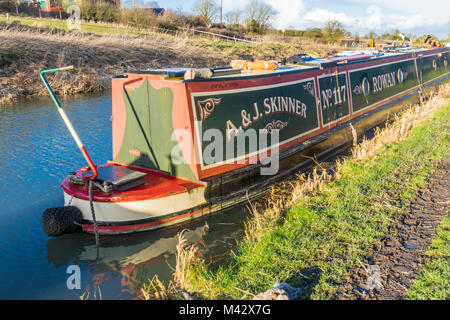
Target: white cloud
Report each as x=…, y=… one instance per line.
x=438, y=9
x=289, y=13
x=410, y=16
x=373, y=19
x=320, y=16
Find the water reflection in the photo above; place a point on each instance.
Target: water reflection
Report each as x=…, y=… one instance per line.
x=128, y=261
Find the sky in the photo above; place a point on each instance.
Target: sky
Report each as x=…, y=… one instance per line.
x=412, y=17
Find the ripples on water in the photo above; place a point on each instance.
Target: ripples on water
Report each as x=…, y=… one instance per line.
x=36, y=153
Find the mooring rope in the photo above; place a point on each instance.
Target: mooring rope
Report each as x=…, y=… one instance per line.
x=93, y=213
x=70, y=201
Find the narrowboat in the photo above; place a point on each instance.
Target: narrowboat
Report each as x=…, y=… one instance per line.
x=190, y=142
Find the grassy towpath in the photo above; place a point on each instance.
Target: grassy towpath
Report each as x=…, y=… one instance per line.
x=433, y=281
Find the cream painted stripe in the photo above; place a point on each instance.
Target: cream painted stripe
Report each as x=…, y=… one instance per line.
x=139, y=209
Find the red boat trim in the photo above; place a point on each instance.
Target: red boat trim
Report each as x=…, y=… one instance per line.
x=158, y=185
x=91, y=165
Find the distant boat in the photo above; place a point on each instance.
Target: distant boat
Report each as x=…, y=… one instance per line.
x=167, y=166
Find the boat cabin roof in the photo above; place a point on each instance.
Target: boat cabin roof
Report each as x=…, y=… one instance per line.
x=340, y=59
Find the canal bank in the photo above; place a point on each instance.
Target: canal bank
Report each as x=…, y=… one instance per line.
x=25, y=50
x=312, y=232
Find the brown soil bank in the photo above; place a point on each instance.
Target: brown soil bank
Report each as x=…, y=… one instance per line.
x=391, y=266
x=25, y=50
x=96, y=59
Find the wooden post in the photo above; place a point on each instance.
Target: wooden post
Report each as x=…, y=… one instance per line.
x=221, y=11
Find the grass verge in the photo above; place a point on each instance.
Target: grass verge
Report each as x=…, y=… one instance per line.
x=313, y=229
x=91, y=27
x=433, y=281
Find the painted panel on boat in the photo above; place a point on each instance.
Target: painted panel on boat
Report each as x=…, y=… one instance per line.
x=333, y=97
x=434, y=66
x=148, y=140
x=372, y=85
x=289, y=107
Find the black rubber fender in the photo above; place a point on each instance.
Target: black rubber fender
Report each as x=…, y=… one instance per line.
x=61, y=220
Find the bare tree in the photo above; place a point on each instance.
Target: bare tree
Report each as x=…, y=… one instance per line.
x=233, y=17
x=207, y=9
x=258, y=15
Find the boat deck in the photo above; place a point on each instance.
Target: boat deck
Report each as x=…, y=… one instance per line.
x=157, y=184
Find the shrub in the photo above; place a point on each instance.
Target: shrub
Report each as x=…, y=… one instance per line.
x=254, y=27
x=218, y=26
x=172, y=21
x=389, y=36
x=194, y=21
x=88, y=11
x=333, y=31
x=293, y=33
x=107, y=12
x=99, y=11
x=314, y=33
x=139, y=17
x=7, y=5
x=238, y=29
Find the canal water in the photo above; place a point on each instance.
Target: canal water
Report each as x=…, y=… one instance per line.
x=36, y=153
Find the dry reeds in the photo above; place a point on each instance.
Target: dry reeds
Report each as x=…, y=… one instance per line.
x=186, y=257
x=96, y=59
x=283, y=196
